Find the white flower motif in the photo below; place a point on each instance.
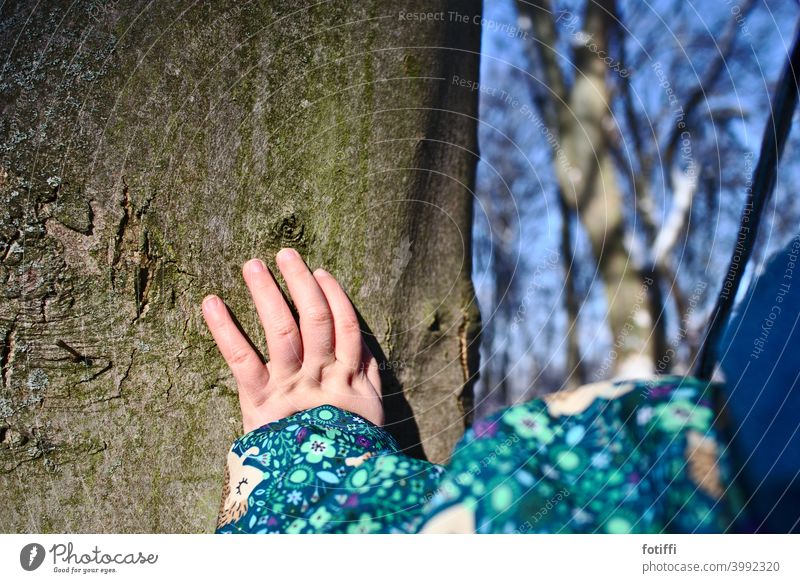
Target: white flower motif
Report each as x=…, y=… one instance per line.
x=643, y=415
x=550, y=472
x=580, y=516
x=601, y=460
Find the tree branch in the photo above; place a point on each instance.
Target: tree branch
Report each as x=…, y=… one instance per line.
x=775, y=134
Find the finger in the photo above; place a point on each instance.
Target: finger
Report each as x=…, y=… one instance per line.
x=347, y=332
x=369, y=365
x=316, y=320
x=245, y=364
x=283, y=337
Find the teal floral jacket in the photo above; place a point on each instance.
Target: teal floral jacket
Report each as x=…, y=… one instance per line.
x=612, y=457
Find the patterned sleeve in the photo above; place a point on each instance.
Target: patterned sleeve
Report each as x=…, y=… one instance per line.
x=613, y=457
x=324, y=470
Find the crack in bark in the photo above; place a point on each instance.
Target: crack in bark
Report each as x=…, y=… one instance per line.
x=174, y=263
x=119, y=236
x=148, y=262
x=41, y=449
x=10, y=245
x=145, y=271
x=19, y=462
x=469, y=355
x=132, y=219
x=7, y=353
x=125, y=374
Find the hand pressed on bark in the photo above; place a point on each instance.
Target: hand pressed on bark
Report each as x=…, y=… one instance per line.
x=324, y=361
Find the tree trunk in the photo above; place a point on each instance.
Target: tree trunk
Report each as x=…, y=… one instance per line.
x=586, y=175
x=575, y=373
x=148, y=150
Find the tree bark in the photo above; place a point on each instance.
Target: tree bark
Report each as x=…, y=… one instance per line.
x=587, y=179
x=575, y=370
x=148, y=150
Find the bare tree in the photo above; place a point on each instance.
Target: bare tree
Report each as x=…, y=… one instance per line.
x=586, y=98
x=580, y=116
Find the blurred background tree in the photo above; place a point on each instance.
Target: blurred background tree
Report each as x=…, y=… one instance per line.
x=617, y=140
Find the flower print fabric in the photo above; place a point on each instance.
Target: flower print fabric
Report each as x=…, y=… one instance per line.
x=614, y=457
x=324, y=470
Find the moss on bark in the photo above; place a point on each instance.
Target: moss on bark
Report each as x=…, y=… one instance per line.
x=147, y=151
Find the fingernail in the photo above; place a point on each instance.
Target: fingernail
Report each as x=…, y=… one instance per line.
x=321, y=272
x=288, y=253
x=211, y=302
x=256, y=266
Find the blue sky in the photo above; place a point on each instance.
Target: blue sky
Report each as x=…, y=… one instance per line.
x=515, y=172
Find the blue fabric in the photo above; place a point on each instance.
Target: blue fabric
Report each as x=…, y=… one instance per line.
x=760, y=359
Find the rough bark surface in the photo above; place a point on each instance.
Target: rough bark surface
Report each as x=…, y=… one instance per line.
x=148, y=150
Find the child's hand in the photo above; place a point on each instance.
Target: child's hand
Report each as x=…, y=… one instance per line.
x=325, y=362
